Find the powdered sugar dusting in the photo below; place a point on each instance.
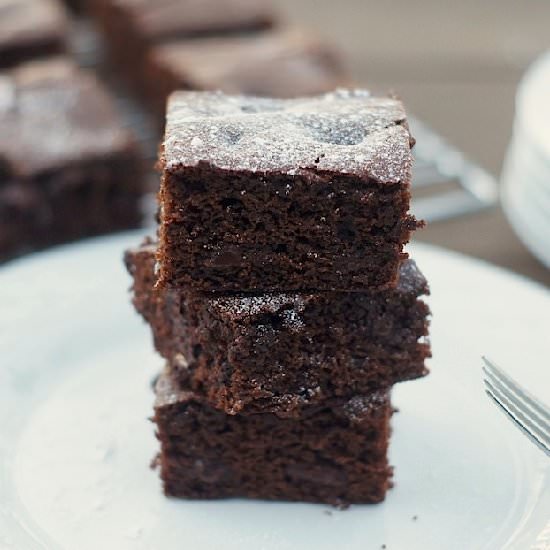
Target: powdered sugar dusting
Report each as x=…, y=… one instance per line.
x=292, y=319
x=361, y=405
x=246, y=306
x=347, y=131
x=57, y=114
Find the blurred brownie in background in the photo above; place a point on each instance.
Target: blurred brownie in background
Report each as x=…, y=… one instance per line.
x=31, y=29
x=68, y=167
x=279, y=63
x=132, y=26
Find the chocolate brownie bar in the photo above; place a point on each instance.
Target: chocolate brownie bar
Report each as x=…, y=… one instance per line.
x=68, y=168
x=278, y=195
x=132, y=26
x=278, y=63
x=283, y=352
x=335, y=455
x=30, y=29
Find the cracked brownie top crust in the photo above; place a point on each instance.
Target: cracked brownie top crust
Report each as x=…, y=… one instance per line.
x=350, y=132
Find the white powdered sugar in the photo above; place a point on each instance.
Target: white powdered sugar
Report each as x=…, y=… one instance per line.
x=360, y=406
x=56, y=115
x=244, y=306
x=347, y=131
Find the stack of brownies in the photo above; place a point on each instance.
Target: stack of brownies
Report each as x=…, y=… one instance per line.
x=280, y=296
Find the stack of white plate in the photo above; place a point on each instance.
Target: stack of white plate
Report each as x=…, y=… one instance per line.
x=526, y=172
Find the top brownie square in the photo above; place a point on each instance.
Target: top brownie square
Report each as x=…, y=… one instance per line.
x=274, y=195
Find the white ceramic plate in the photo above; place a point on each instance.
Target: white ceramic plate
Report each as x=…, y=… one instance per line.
x=525, y=194
x=526, y=172
x=75, y=443
x=532, y=107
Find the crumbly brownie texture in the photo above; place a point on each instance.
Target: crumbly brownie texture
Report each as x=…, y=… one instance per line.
x=30, y=29
x=68, y=168
x=285, y=352
x=280, y=63
x=334, y=455
x=278, y=195
x=160, y=308
x=132, y=26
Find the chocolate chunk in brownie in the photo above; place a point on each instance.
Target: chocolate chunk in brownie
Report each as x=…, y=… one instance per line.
x=334, y=455
x=68, y=168
x=278, y=63
x=30, y=29
x=277, y=195
x=285, y=352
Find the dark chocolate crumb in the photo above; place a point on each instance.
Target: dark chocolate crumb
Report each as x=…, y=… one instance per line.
x=155, y=463
x=414, y=518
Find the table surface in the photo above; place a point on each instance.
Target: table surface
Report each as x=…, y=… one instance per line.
x=456, y=65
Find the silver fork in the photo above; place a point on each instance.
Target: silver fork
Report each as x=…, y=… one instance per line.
x=530, y=415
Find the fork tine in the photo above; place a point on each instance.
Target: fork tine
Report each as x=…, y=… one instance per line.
x=515, y=408
x=528, y=414
x=518, y=390
x=542, y=444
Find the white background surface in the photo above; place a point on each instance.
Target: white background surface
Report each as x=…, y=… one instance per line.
x=75, y=442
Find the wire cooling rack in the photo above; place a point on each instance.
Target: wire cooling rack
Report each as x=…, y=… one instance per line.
x=446, y=184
